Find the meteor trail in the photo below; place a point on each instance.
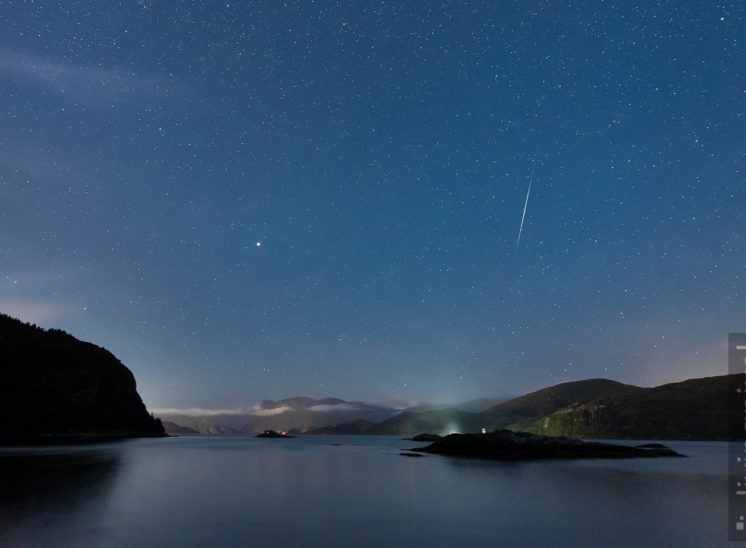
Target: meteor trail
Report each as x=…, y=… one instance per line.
x=531, y=180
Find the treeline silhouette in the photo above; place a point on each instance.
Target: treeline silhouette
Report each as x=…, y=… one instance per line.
x=55, y=385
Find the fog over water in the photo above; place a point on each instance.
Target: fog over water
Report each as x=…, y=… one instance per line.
x=352, y=491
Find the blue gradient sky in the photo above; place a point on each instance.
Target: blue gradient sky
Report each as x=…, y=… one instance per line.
x=381, y=153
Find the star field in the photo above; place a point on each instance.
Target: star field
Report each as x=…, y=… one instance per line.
x=260, y=199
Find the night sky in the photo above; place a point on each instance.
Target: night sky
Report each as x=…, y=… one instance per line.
x=267, y=199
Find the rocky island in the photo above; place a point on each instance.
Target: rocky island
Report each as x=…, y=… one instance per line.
x=57, y=389
x=273, y=434
x=508, y=445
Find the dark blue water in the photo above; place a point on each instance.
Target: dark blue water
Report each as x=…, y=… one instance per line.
x=352, y=491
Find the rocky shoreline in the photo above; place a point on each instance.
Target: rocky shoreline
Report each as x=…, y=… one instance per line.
x=508, y=445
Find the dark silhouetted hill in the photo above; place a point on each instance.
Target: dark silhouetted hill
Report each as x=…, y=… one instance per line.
x=57, y=388
x=695, y=409
x=548, y=400
x=513, y=446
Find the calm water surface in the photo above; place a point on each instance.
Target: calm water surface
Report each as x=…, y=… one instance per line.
x=352, y=491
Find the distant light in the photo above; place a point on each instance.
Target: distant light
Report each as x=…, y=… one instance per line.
x=259, y=244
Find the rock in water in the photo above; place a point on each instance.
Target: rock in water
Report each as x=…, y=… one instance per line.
x=508, y=445
x=426, y=437
x=273, y=434
x=56, y=388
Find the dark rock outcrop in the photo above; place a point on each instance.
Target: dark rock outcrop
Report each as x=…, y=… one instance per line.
x=273, y=434
x=508, y=445
x=426, y=437
x=57, y=389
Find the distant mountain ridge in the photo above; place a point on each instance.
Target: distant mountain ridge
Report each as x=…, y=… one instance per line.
x=173, y=428
x=551, y=399
x=695, y=409
x=593, y=408
x=445, y=420
x=299, y=414
x=438, y=421
x=214, y=425
x=59, y=388
x=358, y=426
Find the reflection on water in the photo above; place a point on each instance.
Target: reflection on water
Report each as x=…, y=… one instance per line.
x=342, y=491
x=45, y=489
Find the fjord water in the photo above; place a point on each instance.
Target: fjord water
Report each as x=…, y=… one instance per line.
x=352, y=491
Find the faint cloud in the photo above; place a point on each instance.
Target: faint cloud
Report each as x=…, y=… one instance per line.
x=22, y=294
x=258, y=410
x=334, y=407
x=41, y=279
x=21, y=163
x=78, y=83
x=197, y=411
x=38, y=313
x=31, y=160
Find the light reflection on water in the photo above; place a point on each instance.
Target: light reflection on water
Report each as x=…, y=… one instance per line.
x=201, y=491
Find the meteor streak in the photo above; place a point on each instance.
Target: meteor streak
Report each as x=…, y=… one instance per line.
x=523, y=217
